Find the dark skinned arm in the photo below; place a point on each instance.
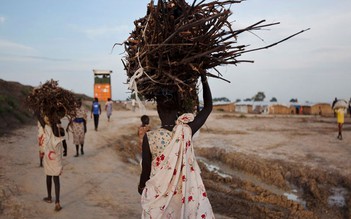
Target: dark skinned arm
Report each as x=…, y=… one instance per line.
x=85, y=125
x=146, y=164
x=68, y=125
x=202, y=116
x=55, y=129
x=40, y=119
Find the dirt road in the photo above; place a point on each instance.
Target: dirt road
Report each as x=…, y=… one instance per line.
x=95, y=185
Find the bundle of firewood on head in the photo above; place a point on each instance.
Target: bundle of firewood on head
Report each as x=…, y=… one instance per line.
x=51, y=101
x=176, y=42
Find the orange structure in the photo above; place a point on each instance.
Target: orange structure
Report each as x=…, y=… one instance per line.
x=102, y=84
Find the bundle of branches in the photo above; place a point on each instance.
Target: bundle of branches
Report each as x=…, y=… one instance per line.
x=176, y=42
x=52, y=101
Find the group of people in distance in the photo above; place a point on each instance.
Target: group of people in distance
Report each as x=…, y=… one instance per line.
x=170, y=183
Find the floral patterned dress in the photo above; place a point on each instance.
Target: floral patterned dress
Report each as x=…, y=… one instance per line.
x=78, y=127
x=175, y=188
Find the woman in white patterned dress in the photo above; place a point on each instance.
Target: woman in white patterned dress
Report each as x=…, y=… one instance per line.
x=79, y=128
x=170, y=183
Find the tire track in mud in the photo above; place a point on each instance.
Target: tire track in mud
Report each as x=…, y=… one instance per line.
x=255, y=188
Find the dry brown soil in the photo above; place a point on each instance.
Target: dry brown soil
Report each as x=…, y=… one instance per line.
x=252, y=166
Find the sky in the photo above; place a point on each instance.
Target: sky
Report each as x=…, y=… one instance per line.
x=65, y=40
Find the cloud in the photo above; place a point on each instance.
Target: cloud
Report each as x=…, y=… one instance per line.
x=47, y=58
x=12, y=51
x=6, y=45
x=2, y=19
x=103, y=31
x=14, y=57
x=16, y=51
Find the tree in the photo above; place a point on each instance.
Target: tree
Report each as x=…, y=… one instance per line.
x=247, y=99
x=273, y=99
x=293, y=100
x=237, y=100
x=259, y=96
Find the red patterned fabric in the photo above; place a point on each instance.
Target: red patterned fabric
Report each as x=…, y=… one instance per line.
x=175, y=188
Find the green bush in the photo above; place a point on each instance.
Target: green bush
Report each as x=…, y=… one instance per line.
x=19, y=117
x=12, y=103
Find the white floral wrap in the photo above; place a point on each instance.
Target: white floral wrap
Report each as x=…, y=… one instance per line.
x=175, y=188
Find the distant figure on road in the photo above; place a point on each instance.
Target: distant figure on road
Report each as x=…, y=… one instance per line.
x=350, y=107
x=108, y=108
x=96, y=111
x=340, y=119
x=79, y=128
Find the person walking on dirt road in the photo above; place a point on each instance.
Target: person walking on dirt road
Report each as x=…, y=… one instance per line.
x=340, y=114
x=53, y=148
x=78, y=127
x=170, y=183
x=96, y=111
x=109, y=108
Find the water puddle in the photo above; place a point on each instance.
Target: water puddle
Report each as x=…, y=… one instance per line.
x=215, y=169
x=293, y=196
x=338, y=197
x=227, y=172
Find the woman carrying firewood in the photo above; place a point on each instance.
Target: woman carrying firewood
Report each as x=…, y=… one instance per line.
x=53, y=148
x=170, y=183
x=51, y=103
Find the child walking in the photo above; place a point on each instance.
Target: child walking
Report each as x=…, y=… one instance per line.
x=143, y=128
x=109, y=108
